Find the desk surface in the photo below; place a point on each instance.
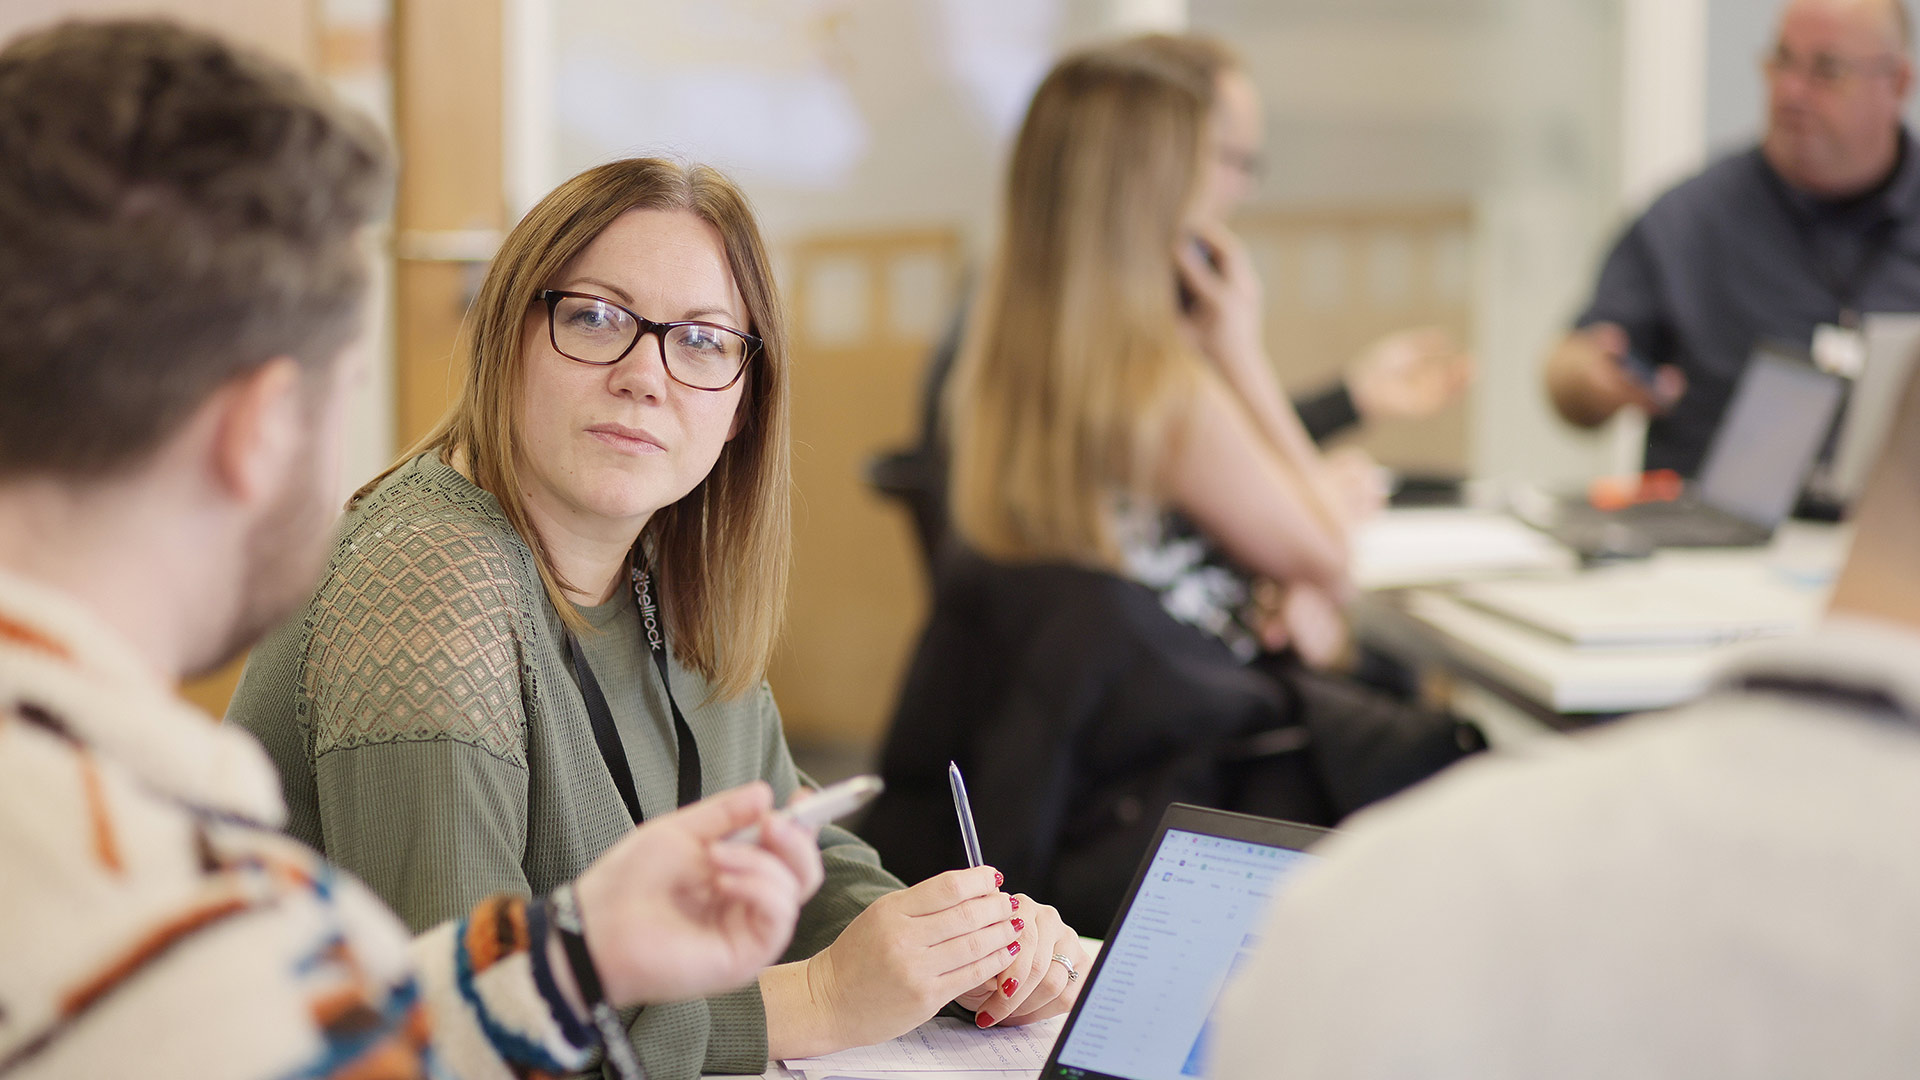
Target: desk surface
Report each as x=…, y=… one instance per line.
x=952, y=1060
x=1048, y=1029
x=1555, y=680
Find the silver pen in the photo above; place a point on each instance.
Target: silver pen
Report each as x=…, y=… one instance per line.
x=969, y=836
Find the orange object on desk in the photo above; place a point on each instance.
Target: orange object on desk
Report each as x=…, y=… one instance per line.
x=1620, y=492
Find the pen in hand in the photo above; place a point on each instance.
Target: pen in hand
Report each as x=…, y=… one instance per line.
x=969, y=835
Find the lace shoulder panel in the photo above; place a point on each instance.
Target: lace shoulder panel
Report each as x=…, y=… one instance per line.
x=416, y=632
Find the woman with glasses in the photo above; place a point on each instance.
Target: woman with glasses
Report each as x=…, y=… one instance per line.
x=552, y=619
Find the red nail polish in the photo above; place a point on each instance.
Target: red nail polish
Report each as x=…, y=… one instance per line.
x=981, y=1018
x=1013, y=948
x=1016, y=902
x=999, y=879
x=1009, y=987
x=1018, y=925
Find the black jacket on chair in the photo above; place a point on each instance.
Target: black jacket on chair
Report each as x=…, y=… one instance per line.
x=1077, y=709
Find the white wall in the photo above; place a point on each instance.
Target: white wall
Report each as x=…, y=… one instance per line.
x=1738, y=33
x=832, y=115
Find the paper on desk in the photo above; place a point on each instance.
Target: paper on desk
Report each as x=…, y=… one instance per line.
x=1676, y=599
x=882, y=1075
x=877, y=1074
x=1432, y=546
x=944, y=1045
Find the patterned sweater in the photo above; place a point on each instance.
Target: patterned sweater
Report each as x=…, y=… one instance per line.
x=433, y=740
x=156, y=922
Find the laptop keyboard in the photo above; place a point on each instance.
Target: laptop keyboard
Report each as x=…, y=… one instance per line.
x=1685, y=524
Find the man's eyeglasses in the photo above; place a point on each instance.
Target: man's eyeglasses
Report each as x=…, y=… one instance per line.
x=1824, y=70
x=595, y=330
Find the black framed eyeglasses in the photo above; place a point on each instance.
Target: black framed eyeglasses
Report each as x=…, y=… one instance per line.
x=1824, y=70
x=595, y=330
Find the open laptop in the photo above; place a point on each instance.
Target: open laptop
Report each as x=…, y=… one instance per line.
x=1191, y=917
x=1768, y=438
x=1892, y=343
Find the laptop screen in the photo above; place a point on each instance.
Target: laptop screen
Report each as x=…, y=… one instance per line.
x=1194, y=919
x=1767, y=441
x=1893, y=341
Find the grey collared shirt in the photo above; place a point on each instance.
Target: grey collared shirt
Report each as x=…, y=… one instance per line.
x=1733, y=257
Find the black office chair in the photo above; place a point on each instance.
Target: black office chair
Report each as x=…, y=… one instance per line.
x=1078, y=709
x=916, y=478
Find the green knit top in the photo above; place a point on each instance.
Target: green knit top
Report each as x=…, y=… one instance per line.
x=432, y=738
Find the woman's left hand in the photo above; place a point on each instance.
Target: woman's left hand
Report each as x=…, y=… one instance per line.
x=1361, y=484
x=1408, y=375
x=1034, y=986
x=1310, y=620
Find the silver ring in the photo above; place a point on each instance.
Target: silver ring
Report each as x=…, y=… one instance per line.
x=1060, y=959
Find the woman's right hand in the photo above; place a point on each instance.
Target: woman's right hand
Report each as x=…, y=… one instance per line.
x=911, y=952
x=1227, y=314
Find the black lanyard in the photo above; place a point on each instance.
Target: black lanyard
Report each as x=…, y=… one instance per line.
x=1845, y=288
x=607, y=737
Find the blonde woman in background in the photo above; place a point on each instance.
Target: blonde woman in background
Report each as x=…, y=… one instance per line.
x=1403, y=376
x=552, y=619
x=1149, y=543
x=1114, y=386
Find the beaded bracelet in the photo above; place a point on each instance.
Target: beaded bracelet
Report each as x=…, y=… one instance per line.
x=573, y=941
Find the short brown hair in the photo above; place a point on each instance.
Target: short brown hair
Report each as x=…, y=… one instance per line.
x=723, y=551
x=173, y=212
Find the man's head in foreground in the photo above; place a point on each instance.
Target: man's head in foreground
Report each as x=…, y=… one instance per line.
x=183, y=273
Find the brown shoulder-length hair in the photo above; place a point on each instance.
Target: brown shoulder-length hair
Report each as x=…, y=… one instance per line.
x=1074, y=365
x=723, y=551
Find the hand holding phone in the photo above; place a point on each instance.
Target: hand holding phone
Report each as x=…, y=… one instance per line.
x=1208, y=257
x=1662, y=385
x=1221, y=299
x=827, y=805
x=1637, y=367
x=1625, y=376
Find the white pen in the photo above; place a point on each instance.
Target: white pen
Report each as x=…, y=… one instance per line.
x=969, y=835
x=828, y=804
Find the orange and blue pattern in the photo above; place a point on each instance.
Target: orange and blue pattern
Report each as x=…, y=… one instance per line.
x=157, y=923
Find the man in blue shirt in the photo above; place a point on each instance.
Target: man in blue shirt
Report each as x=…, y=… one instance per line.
x=1815, y=226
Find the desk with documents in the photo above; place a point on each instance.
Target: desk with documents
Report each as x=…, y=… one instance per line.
x=940, y=1049
x=1568, y=646
x=1454, y=590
